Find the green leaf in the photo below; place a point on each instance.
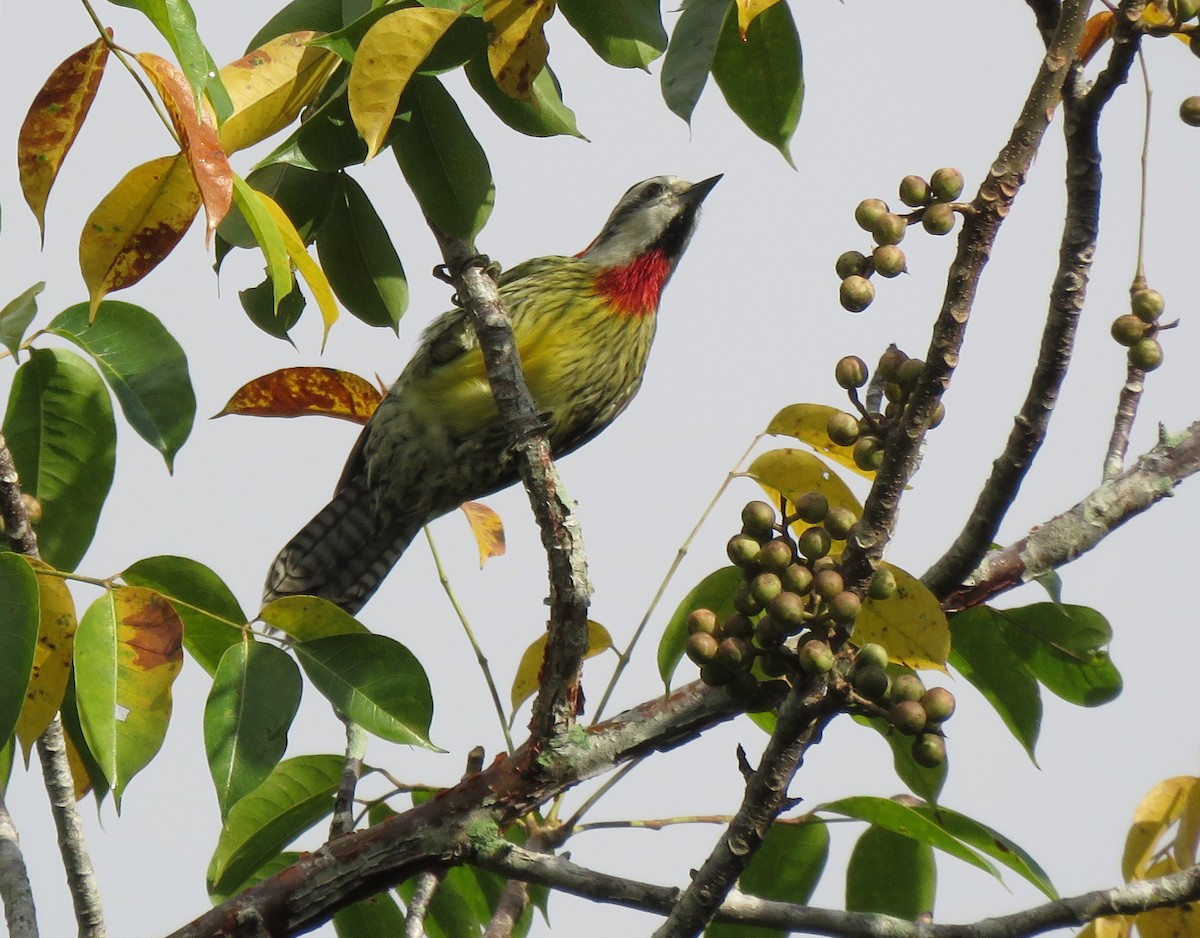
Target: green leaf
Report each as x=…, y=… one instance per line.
x=625, y=33
x=374, y=681
x=378, y=916
x=143, y=364
x=544, y=116
x=441, y=160
x=714, y=592
x=357, y=256
x=258, y=302
x=60, y=429
x=7, y=752
x=992, y=843
x=761, y=75
x=890, y=874
x=295, y=796
x=20, y=613
x=69, y=714
x=925, y=782
x=254, y=698
x=16, y=316
x=459, y=909
x=307, y=617
x=690, y=54
x=1066, y=648
x=268, y=237
x=787, y=868
x=981, y=654
x=323, y=16
x=326, y=141
x=176, y=21
x=305, y=196
x=901, y=819
x=212, y=618
x=1052, y=583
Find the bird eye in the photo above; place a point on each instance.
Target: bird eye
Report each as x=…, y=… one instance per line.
x=653, y=191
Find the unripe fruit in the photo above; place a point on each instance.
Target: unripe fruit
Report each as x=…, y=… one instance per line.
x=871, y=682
x=871, y=655
x=768, y=633
x=907, y=687
x=715, y=674
x=1183, y=10
x=812, y=507
x=828, y=583
x=737, y=625
x=814, y=543
x=939, y=414
x=758, y=519
x=842, y=429
x=929, y=750
x=946, y=184
x=909, y=373
x=701, y=648
x=816, y=657
x=1147, y=304
x=839, y=521
x=914, y=191
x=938, y=219
x=868, y=453
x=776, y=556
x=702, y=620
x=823, y=563
x=889, y=261
x=845, y=607
x=734, y=653
x=889, y=229
x=743, y=550
x=774, y=665
x=883, y=584
x=894, y=393
x=889, y=363
x=797, y=578
x=787, y=609
x=33, y=508
x=850, y=372
x=851, y=262
x=856, y=293
x=745, y=602
x=743, y=687
x=1128, y=329
x=868, y=212
x=765, y=587
x=1189, y=111
x=939, y=704
x=1146, y=355
x=908, y=717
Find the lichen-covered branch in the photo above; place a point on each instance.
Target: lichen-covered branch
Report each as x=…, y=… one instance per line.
x=1127, y=408
x=20, y=915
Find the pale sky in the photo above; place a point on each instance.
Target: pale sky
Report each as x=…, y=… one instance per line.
x=749, y=324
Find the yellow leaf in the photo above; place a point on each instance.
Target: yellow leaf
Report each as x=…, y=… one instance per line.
x=301, y=391
x=517, y=48
x=910, y=624
x=387, y=58
x=1187, y=836
x=308, y=617
x=51, y=657
x=136, y=225
x=748, y=10
x=267, y=235
x=1179, y=922
x=807, y=423
x=309, y=269
x=792, y=472
x=1161, y=808
x=488, y=529
x=53, y=123
x=81, y=782
x=197, y=136
x=270, y=86
x=525, y=683
x=1111, y=926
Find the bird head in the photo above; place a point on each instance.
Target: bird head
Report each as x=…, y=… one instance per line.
x=644, y=237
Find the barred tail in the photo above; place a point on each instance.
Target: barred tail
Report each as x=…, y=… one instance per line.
x=343, y=553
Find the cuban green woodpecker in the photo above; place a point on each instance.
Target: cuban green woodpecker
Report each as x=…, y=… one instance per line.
x=583, y=327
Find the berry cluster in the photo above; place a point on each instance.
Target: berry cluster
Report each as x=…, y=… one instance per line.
x=899, y=375
x=932, y=206
x=1138, y=329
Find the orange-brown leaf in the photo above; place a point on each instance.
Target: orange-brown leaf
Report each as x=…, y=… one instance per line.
x=517, y=48
x=136, y=225
x=488, y=528
x=53, y=123
x=1096, y=33
x=198, y=137
x=297, y=392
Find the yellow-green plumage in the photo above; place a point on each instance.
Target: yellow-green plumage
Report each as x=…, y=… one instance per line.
x=583, y=328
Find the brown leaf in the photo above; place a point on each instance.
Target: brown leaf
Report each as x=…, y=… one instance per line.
x=488, y=529
x=197, y=136
x=297, y=392
x=53, y=123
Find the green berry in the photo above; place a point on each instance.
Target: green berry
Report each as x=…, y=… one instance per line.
x=850, y=372
x=871, y=655
x=883, y=584
x=889, y=261
x=776, y=556
x=789, y=611
x=765, y=587
x=929, y=750
x=842, y=429
x=868, y=453
x=1146, y=355
x=907, y=687
x=871, y=682
x=889, y=228
x=746, y=602
x=839, y=521
x=744, y=686
x=743, y=551
x=1189, y=111
x=737, y=625
x=1183, y=10
x=815, y=657
x=946, y=184
x=735, y=653
x=938, y=219
x=914, y=191
x=851, y=262
x=868, y=213
x=909, y=373
x=1128, y=329
x=758, y=519
x=814, y=542
x=908, y=717
x=939, y=414
x=812, y=507
x=702, y=620
x=845, y=607
x=828, y=583
x=701, y=648
x=797, y=578
x=939, y=704
x=856, y=293
x=1148, y=304
x=715, y=674
x=889, y=363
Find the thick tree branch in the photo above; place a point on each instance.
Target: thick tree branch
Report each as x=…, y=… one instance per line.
x=980, y=227
x=20, y=915
x=52, y=747
x=1057, y=542
x=557, y=702
x=1076, y=252
x=1129, y=899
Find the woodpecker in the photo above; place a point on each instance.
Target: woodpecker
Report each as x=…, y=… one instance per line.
x=583, y=326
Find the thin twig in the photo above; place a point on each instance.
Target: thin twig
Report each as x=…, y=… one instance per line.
x=343, y=804
x=572, y=823
x=418, y=906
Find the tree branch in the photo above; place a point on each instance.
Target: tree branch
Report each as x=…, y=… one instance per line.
x=1127, y=408
x=1152, y=478
x=20, y=914
x=558, y=701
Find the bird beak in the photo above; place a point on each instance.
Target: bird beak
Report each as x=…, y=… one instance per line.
x=695, y=195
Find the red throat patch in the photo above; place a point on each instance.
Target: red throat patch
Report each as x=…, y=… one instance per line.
x=635, y=288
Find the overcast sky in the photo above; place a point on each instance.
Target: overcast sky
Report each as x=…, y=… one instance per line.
x=749, y=324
